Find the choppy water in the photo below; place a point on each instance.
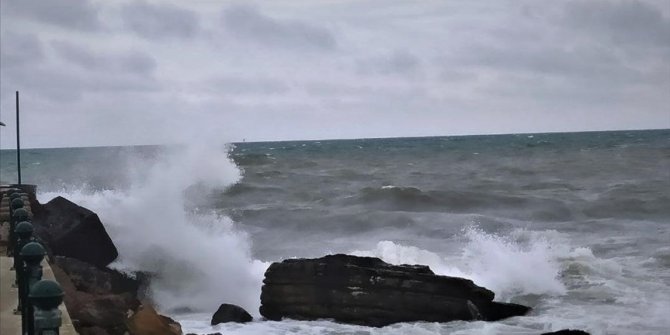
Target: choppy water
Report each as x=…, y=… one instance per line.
x=575, y=225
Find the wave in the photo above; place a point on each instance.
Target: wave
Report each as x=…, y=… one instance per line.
x=244, y=159
x=521, y=263
x=413, y=199
x=198, y=260
x=631, y=201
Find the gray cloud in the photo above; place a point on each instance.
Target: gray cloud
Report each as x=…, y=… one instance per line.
x=584, y=61
x=159, y=20
x=396, y=62
x=17, y=49
x=61, y=86
x=279, y=71
x=72, y=14
x=249, y=24
x=234, y=85
x=129, y=62
x=630, y=22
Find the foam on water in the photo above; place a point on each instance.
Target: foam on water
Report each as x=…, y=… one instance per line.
x=198, y=260
x=522, y=263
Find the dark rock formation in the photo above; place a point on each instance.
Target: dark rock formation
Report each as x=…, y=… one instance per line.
x=567, y=332
x=230, y=313
x=368, y=291
x=99, y=299
x=91, y=279
x=74, y=231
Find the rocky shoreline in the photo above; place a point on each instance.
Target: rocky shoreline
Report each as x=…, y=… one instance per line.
x=344, y=288
x=100, y=300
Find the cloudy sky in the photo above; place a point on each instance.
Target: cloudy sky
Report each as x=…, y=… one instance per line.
x=144, y=72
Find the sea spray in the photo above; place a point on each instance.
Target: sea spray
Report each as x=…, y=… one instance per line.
x=521, y=263
x=197, y=259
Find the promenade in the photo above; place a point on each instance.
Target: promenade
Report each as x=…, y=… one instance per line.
x=10, y=324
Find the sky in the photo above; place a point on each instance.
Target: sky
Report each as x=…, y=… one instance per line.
x=94, y=73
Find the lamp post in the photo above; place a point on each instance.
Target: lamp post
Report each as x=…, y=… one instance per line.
x=18, y=139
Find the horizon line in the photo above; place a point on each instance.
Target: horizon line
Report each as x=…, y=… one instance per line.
x=348, y=138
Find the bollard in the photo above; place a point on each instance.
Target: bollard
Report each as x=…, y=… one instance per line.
x=46, y=295
x=32, y=255
x=18, y=215
x=24, y=232
x=13, y=194
x=16, y=203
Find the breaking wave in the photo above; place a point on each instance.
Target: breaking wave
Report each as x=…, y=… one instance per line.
x=522, y=263
x=197, y=259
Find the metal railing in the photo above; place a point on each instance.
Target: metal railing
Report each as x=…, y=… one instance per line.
x=38, y=299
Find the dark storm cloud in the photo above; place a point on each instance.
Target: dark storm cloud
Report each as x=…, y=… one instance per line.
x=158, y=21
x=72, y=14
x=630, y=22
x=20, y=49
x=129, y=62
x=397, y=62
x=249, y=24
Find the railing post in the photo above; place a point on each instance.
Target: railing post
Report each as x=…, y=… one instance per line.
x=32, y=255
x=46, y=295
x=18, y=215
x=13, y=194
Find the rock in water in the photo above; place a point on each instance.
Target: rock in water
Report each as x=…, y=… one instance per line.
x=74, y=231
x=567, y=332
x=368, y=291
x=230, y=313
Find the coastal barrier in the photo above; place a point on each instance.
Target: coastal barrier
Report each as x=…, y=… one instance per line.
x=30, y=297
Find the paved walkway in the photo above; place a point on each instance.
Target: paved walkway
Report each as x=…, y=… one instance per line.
x=10, y=324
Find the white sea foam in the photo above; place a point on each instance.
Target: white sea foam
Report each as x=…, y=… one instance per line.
x=197, y=260
x=522, y=263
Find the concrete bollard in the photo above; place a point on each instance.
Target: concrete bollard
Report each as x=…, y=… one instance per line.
x=32, y=255
x=46, y=296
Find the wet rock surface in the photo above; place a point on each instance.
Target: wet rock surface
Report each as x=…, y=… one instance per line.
x=368, y=291
x=230, y=313
x=98, y=299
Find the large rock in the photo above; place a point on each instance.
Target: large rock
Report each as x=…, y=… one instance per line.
x=230, y=313
x=74, y=231
x=368, y=291
x=94, y=280
x=98, y=300
x=567, y=332
x=148, y=322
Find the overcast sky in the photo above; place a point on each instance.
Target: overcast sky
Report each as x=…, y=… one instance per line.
x=145, y=72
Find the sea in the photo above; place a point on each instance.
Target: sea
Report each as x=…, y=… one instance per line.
x=575, y=225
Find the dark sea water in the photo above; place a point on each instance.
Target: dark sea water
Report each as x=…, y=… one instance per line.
x=576, y=225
